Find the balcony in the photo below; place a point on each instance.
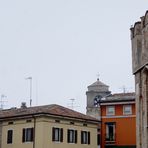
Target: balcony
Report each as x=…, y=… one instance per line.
x=110, y=139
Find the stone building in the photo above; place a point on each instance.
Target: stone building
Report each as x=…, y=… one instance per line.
x=139, y=40
x=95, y=91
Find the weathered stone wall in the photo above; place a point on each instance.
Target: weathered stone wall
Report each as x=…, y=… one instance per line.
x=139, y=37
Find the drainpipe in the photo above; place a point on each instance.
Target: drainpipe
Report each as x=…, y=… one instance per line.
x=34, y=131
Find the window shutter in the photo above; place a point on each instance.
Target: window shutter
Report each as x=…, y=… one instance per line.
x=53, y=134
x=81, y=137
x=32, y=134
x=75, y=136
x=68, y=136
x=61, y=136
x=88, y=137
x=23, y=135
x=98, y=139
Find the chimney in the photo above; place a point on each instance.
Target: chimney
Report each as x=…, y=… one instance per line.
x=23, y=105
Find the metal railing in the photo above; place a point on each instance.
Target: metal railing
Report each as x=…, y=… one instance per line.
x=110, y=138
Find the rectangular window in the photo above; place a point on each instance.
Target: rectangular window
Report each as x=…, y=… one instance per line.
x=110, y=131
x=71, y=136
x=9, y=136
x=110, y=110
x=57, y=134
x=127, y=109
x=27, y=135
x=85, y=137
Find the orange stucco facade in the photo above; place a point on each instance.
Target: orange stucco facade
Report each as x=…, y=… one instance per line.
x=122, y=125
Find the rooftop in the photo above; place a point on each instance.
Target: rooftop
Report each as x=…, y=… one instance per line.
x=119, y=97
x=51, y=110
x=98, y=86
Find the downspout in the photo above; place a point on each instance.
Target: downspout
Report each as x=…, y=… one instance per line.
x=34, y=131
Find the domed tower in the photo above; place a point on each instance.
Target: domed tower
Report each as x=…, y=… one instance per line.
x=97, y=89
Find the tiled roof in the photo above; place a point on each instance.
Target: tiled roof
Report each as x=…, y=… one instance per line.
x=119, y=97
x=98, y=83
x=53, y=110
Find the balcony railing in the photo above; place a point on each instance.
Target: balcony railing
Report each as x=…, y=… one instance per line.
x=110, y=138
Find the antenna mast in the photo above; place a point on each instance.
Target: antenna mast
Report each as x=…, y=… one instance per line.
x=30, y=79
x=2, y=101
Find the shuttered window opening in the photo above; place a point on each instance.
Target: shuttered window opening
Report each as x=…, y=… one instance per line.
x=27, y=135
x=71, y=136
x=57, y=134
x=85, y=137
x=9, y=136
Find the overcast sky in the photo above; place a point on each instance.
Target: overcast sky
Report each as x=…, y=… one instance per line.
x=63, y=45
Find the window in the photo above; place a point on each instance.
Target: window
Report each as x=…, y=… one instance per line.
x=10, y=122
x=85, y=137
x=110, y=110
x=58, y=121
x=127, y=109
x=28, y=120
x=71, y=136
x=27, y=135
x=57, y=134
x=110, y=131
x=9, y=136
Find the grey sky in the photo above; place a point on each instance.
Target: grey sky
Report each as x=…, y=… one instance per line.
x=63, y=44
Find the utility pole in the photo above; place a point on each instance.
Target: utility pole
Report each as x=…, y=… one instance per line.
x=30, y=79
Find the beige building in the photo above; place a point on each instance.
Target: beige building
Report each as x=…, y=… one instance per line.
x=47, y=126
x=139, y=38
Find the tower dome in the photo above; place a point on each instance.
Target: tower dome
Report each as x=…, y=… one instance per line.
x=98, y=86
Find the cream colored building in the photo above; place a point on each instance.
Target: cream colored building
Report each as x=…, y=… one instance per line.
x=50, y=126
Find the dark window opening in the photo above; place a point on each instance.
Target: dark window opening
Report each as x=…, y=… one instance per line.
x=71, y=136
x=27, y=135
x=9, y=136
x=85, y=137
x=57, y=134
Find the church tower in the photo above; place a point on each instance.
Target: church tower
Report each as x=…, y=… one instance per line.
x=97, y=89
x=139, y=39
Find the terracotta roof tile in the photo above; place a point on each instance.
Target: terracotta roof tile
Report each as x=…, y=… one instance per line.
x=52, y=109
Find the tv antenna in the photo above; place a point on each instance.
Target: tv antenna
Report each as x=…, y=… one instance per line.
x=72, y=106
x=2, y=101
x=30, y=79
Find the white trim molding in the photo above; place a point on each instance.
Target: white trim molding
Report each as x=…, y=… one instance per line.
x=128, y=116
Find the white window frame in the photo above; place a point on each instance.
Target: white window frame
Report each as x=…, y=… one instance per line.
x=107, y=131
x=108, y=113
x=124, y=110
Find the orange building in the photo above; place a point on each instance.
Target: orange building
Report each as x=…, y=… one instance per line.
x=118, y=121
